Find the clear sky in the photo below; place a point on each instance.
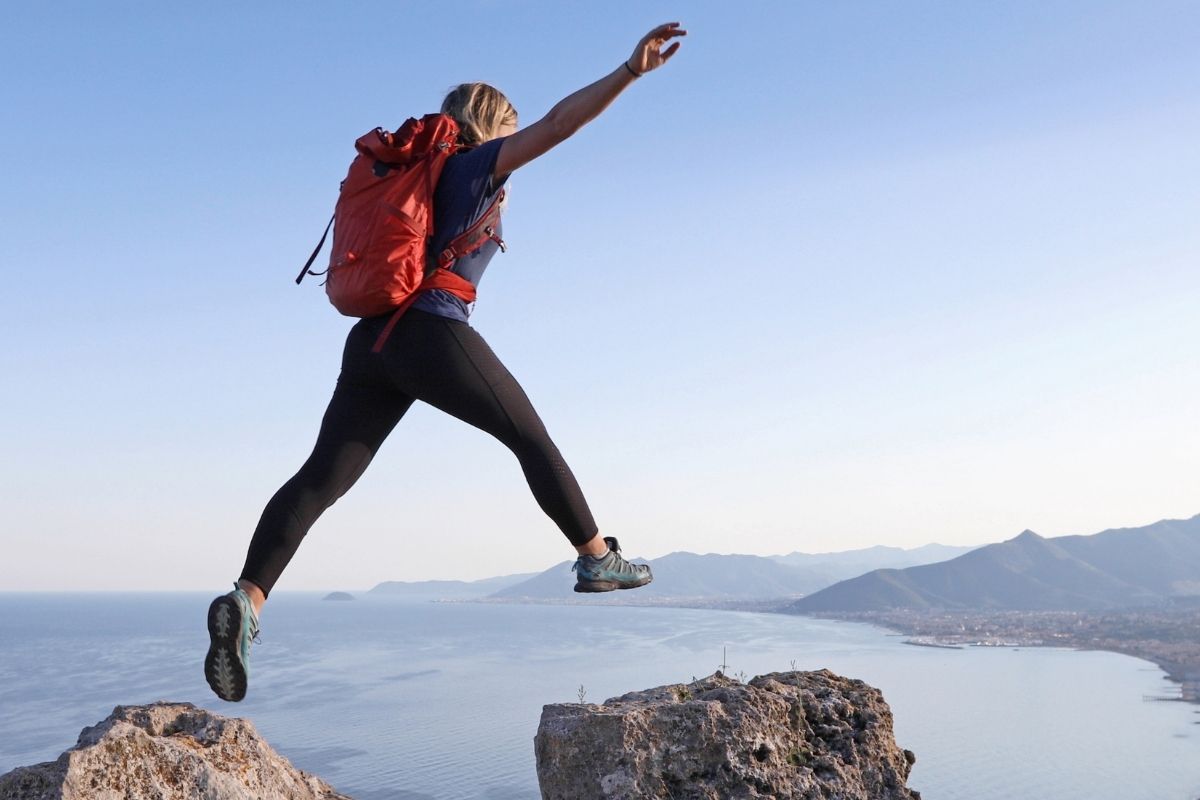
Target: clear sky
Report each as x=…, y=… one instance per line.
x=840, y=274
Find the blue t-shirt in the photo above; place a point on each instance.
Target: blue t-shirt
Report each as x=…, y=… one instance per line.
x=464, y=192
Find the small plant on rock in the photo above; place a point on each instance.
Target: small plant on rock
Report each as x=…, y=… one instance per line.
x=799, y=757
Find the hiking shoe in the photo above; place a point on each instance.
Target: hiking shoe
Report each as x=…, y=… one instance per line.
x=232, y=626
x=608, y=572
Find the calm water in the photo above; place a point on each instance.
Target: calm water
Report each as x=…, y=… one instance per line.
x=398, y=700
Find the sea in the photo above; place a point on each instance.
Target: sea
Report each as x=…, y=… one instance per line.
x=401, y=699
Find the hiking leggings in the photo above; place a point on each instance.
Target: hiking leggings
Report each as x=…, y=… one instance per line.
x=436, y=360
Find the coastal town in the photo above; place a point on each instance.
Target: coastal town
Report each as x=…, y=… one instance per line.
x=1167, y=636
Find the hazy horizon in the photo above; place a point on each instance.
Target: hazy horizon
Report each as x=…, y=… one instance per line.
x=536, y=570
x=531, y=571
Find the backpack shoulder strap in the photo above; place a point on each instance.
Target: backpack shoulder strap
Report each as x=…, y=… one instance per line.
x=475, y=236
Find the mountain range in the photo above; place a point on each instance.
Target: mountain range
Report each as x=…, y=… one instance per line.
x=1116, y=568
x=848, y=563
x=730, y=577
x=681, y=575
x=1119, y=568
x=687, y=575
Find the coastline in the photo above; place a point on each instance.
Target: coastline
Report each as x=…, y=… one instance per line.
x=1135, y=633
x=1167, y=638
x=484, y=657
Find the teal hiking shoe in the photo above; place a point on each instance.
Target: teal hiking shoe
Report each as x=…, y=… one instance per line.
x=609, y=572
x=232, y=626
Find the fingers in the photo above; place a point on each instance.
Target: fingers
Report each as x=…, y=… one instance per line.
x=649, y=53
x=666, y=36
x=663, y=33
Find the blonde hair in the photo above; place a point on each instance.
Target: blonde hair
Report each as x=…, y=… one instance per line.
x=480, y=110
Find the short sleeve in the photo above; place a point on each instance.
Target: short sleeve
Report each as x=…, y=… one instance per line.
x=473, y=169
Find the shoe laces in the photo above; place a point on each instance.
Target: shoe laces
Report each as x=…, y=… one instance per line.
x=254, y=628
x=622, y=564
x=619, y=562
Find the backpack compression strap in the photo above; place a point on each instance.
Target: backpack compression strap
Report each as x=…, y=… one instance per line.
x=465, y=244
x=313, y=257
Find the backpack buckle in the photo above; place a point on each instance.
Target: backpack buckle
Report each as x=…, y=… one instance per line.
x=491, y=234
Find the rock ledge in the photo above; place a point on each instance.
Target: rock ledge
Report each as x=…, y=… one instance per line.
x=786, y=735
x=166, y=751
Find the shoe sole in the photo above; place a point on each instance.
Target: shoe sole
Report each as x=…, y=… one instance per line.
x=222, y=668
x=590, y=587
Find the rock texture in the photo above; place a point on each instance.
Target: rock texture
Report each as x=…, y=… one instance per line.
x=166, y=751
x=786, y=735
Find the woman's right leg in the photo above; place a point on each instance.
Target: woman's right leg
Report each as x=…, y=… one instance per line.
x=364, y=409
x=356, y=423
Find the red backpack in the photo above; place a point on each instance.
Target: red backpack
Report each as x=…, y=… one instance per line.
x=384, y=218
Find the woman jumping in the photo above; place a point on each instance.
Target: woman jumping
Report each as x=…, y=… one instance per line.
x=435, y=356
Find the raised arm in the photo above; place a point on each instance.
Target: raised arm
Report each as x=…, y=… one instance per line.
x=573, y=112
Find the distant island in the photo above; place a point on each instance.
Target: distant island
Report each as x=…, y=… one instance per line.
x=448, y=590
x=339, y=596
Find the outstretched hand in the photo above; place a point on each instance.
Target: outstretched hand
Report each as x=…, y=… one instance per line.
x=648, y=54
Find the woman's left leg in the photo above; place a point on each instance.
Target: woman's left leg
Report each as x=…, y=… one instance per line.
x=448, y=365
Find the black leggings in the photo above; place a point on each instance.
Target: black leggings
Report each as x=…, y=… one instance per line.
x=441, y=362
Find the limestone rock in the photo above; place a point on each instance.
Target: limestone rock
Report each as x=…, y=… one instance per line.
x=166, y=751
x=786, y=735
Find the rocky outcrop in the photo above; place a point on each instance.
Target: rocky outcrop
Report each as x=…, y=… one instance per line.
x=166, y=751
x=787, y=735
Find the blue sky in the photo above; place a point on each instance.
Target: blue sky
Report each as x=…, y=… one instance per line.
x=838, y=275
